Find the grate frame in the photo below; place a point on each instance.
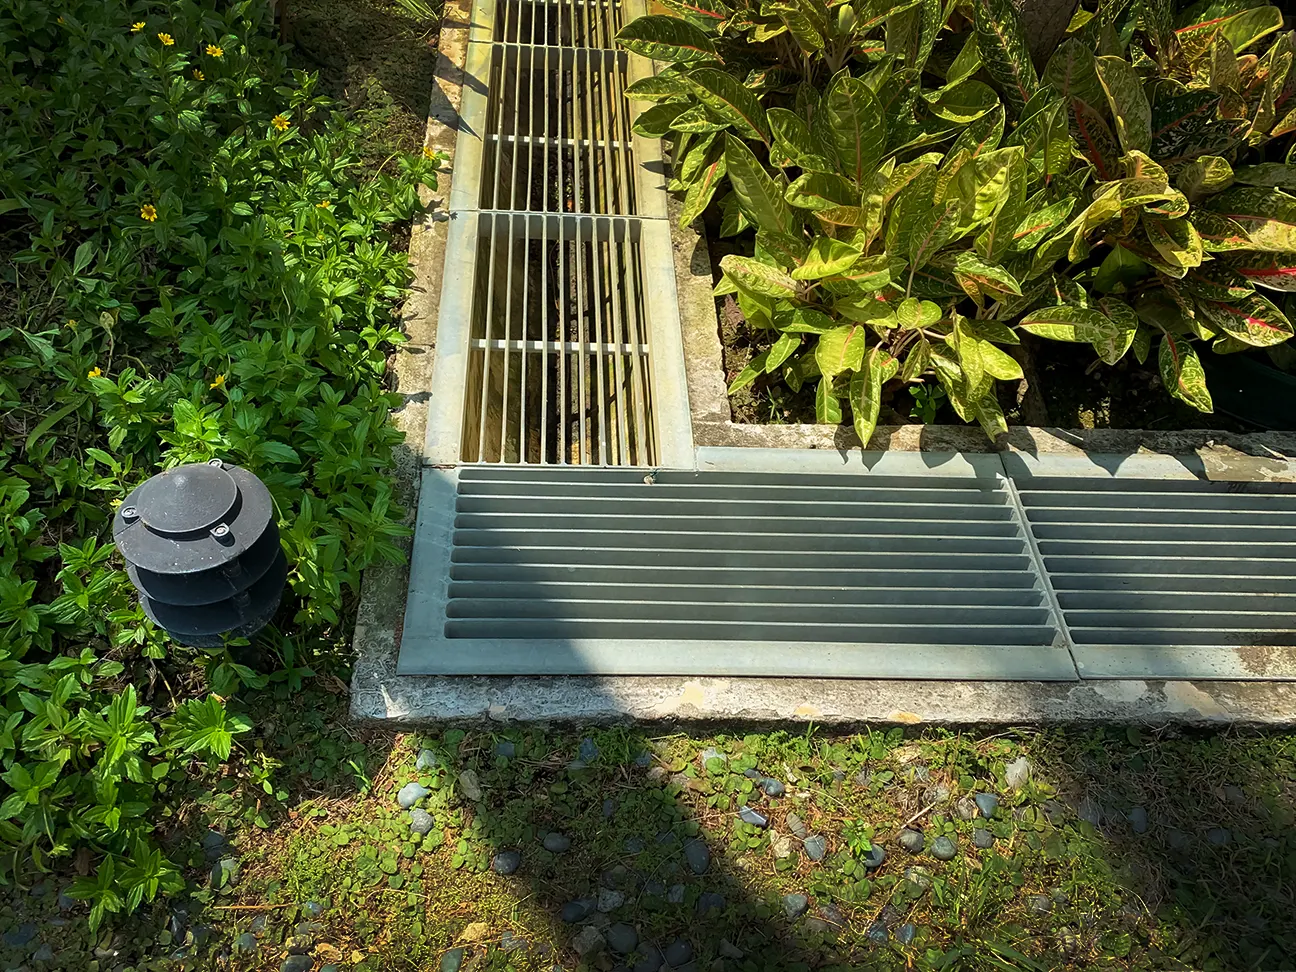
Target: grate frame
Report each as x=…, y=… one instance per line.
x=559, y=312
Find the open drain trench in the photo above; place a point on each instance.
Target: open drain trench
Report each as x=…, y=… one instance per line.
x=559, y=363
x=558, y=327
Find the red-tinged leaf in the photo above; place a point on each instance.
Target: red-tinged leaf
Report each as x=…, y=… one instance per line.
x=1218, y=233
x=1252, y=320
x=1182, y=374
x=1267, y=215
x=1277, y=271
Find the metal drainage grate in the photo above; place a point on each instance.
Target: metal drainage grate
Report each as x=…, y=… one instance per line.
x=552, y=571
x=560, y=322
x=1171, y=579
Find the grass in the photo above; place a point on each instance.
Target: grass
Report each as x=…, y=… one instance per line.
x=1055, y=891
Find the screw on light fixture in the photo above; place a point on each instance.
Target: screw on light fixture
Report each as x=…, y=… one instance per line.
x=202, y=547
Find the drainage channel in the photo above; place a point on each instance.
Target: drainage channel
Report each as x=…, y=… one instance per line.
x=558, y=316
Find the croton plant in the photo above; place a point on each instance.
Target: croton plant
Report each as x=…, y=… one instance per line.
x=921, y=192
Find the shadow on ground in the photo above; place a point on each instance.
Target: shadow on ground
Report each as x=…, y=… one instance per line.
x=1117, y=849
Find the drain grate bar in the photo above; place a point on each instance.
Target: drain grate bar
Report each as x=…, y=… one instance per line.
x=560, y=322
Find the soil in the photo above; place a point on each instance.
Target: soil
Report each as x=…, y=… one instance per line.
x=375, y=57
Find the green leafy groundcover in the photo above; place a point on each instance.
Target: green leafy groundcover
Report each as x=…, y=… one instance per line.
x=933, y=194
x=192, y=268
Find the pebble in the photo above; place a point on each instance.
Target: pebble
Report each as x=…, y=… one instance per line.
x=66, y=902
x=643, y=760
x=588, y=939
x=1040, y=904
x=750, y=816
x=713, y=753
x=634, y=845
x=506, y=862
x=878, y=932
x=966, y=809
x=938, y=793
x=666, y=837
x=710, y=901
x=783, y=846
x=1219, y=836
x=816, y=847
x=864, y=777
x=312, y=909
x=609, y=808
x=650, y=959
x=308, y=929
x=1089, y=811
x=578, y=910
x=213, y=845
x=1017, y=773
x=832, y=914
x=795, y=905
x=1178, y=840
x=753, y=774
x=506, y=748
x=619, y=877
x=331, y=967
x=655, y=888
x=588, y=751
x=43, y=954
x=20, y=936
x=678, y=952
x=911, y=840
x=1138, y=820
x=1054, y=811
x=698, y=855
x=906, y=933
x=987, y=803
x=729, y=950
x=427, y=760
x=657, y=774
x=675, y=894
x=224, y=873
x=919, y=877
x=797, y=826
x=982, y=838
x=297, y=963
x=874, y=857
x=609, y=900
x=556, y=843
x=621, y=938
x=258, y=924
x=410, y=794
x=420, y=821
x=1234, y=794
x=469, y=786
x=944, y=849
x=772, y=787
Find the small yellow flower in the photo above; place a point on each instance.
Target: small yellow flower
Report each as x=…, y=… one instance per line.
x=218, y=383
x=323, y=205
x=280, y=123
x=215, y=51
x=428, y=153
x=62, y=21
x=71, y=323
x=94, y=372
x=166, y=39
x=149, y=212
x=137, y=26
x=198, y=75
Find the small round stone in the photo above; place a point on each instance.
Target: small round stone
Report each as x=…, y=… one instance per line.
x=420, y=821
x=795, y=905
x=297, y=963
x=944, y=849
x=410, y=794
x=772, y=787
x=578, y=910
x=506, y=862
x=650, y=959
x=911, y=840
x=920, y=877
x=43, y=954
x=982, y=838
x=634, y=845
x=710, y=901
x=506, y=748
x=874, y=857
x=609, y=808
x=698, y=856
x=245, y=944
x=313, y=909
x=906, y=933
x=675, y=894
x=609, y=900
x=752, y=774
x=1219, y=836
x=452, y=960
x=987, y=803
x=588, y=751
x=729, y=950
x=621, y=938
x=427, y=760
x=816, y=847
x=750, y=816
x=556, y=843
x=797, y=826
x=877, y=932
x=678, y=952
x=937, y=793
x=966, y=809
x=1138, y=820
x=1039, y=904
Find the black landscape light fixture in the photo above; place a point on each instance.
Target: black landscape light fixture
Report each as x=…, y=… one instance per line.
x=201, y=544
